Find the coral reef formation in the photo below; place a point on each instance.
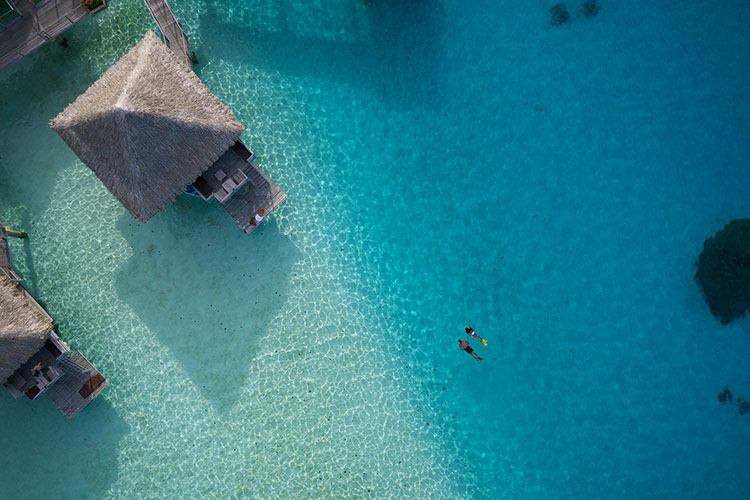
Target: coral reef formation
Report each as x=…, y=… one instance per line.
x=725, y=396
x=559, y=15
x=724, y=271
x=591, y=8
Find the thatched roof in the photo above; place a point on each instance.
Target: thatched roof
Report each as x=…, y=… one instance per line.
x=148, y=127
x=23, y=328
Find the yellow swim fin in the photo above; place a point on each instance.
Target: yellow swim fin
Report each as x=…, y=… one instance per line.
x=484, y=342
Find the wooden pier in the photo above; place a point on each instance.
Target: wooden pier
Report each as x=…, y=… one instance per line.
x=171, y=29
x=239, y=186
x=4, y=253
x=37, y=25
x=260, y=192
x=80, y=384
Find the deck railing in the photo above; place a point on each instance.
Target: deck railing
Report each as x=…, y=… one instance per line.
x=171, y=29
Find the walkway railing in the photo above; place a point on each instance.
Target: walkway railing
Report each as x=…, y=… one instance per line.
x=171, y=29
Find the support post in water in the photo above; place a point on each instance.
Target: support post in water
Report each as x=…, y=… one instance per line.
x=15, y=234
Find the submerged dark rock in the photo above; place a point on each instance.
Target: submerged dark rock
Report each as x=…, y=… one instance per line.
x=559, y=15
x=744, y=406
x=724, y=271
x=591, y=8
x=725, y=396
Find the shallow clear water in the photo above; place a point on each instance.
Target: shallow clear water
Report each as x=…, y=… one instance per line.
x=446, y=164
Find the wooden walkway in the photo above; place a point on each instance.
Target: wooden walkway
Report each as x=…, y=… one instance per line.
x=4, y=253
x=171, y=29
x=36, y=26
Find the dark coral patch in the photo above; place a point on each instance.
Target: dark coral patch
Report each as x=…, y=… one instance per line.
x=724, y=271
x=744, y=406
x=725, y=396
x=591, y=8
x=559, y=15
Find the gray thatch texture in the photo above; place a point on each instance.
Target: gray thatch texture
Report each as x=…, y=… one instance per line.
x=148, y=127
x=23, y=328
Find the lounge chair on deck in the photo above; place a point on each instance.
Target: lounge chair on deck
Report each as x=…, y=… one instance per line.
x=222, y=194
x=229, y=184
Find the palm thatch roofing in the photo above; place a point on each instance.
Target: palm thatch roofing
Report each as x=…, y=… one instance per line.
x=148, y=127
x=23, y=328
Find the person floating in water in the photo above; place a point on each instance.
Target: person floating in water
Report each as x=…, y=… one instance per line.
x=470, y=331
x=464, y=344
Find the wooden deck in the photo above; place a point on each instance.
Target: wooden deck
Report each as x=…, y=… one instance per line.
x=240, y=187
x=4, y=254
x=226, y=175
x=171, y=29
x=259, y=192
x=37, y=25
x=78, y=384
x=77, y=387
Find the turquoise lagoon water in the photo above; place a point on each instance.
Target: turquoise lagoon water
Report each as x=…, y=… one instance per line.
x=447, y=163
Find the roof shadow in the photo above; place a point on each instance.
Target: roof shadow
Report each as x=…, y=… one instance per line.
x=208, y=291
x=33, y=91
x=47, y=449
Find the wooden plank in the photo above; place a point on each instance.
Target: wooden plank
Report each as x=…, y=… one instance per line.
x=259, y=192
x=171, y=29
x=38, y=26
x=4, y=252
x=77, y=387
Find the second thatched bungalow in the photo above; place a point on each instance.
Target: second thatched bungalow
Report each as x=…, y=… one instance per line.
x=149, y=128
x=34, y=361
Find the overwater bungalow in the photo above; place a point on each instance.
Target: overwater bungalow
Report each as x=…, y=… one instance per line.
x=150, y=129
x=34, y=361
x=26, y=25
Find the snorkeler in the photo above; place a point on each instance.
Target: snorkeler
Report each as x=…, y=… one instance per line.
x=464, y=344
x=470, y=331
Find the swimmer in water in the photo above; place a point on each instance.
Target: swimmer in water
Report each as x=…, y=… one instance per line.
x=464, y=345
x=470, y=331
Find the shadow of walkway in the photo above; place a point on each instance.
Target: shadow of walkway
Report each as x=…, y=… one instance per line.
x=206, y=289
x=45, y=454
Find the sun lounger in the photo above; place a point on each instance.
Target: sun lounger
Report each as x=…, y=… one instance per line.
x=222, y=194
x=229, y=184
